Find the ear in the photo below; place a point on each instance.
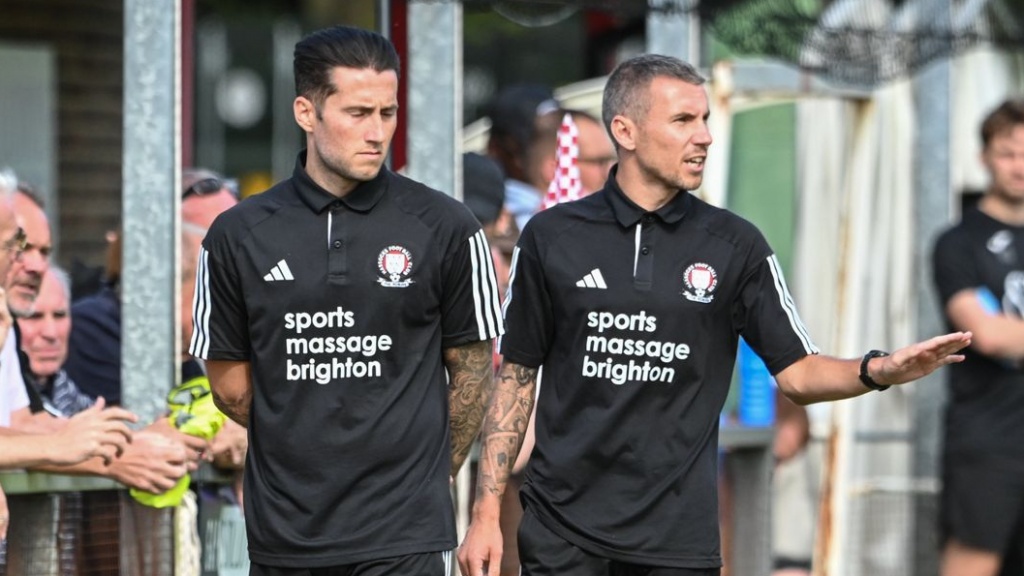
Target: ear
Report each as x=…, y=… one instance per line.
x=305, y=113
x=624, y=132
x=548, y=168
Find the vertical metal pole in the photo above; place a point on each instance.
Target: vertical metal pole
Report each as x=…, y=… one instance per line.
x=672, y=31
x=434, y=84
x=285, y=134
x=150, y=334
x=383, y=13
x=932, y=193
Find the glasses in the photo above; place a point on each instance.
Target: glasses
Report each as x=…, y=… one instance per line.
x=209, y=186
x=203, y=187
x=17, y=243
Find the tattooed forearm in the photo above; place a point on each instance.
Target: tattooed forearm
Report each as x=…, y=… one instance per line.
x=505, y=425
x=470, y=382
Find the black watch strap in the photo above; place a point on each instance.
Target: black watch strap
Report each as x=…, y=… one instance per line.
x=865, y=377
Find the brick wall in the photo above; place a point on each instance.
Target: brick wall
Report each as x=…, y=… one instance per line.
x=88, y=38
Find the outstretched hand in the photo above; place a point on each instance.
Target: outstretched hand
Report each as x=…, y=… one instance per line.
x=918, y=360
x=95, y=431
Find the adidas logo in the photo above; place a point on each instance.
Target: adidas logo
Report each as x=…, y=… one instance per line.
x=593, y=280
x=279, y=272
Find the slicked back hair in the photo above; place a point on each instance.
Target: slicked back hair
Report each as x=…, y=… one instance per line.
x=320, y=52
x=626, y=92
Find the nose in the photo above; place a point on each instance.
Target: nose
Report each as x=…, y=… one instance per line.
x=49, y=328
x=375, y=130
x=703, y=135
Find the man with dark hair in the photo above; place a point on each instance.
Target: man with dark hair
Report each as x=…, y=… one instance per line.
x=633, y=299
x=979, y=274
x=515, y=117
x=347, y=316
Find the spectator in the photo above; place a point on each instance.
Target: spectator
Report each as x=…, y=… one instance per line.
x=94, y=346
x=26, y=273
x=597, y=154
x=44, y=340
x=206, y=194
x=514, y=114
x=151, y=462
x=96, y=432
x=483, y=192
x=22, y=285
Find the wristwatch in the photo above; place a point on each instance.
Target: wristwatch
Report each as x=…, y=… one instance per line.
x=865, y=377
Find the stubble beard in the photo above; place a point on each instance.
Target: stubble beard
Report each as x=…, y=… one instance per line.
x=20, y=306
x=349, y=172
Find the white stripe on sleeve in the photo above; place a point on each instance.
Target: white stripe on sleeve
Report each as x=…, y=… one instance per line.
x=511, y=283
x=485, y=292
x=200, y=344
x=786, y=301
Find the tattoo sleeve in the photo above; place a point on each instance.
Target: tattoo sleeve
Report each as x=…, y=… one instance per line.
x=505, y=425
x=470, y=382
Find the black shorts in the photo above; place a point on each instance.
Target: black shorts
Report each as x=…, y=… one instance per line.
x=983, y=502
x=429, y=564
x=544, y=553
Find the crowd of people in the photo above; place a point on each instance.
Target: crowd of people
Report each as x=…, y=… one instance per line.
x=360, y=331
x=60, y=381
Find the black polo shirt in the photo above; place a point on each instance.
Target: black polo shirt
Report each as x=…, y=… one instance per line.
x=986, y=400
x=635, y=317
x=342, y=307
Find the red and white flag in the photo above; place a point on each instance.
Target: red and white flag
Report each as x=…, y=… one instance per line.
x=566, y=184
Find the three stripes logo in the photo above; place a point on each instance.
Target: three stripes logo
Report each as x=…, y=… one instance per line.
x=593, y=279
x=279, y=272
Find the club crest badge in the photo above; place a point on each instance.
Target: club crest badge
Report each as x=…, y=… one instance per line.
x=701, y=280
x=395, y=264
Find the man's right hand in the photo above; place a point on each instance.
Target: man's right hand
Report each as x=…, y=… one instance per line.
x=481, y=550
x=195, y=447
x=152, y=463
x=94, y=432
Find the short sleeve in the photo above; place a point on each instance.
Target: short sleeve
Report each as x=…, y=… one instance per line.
x=953, y=266
x=768, y=316
x=470, y=308
x=528, y=307
x=219, y=315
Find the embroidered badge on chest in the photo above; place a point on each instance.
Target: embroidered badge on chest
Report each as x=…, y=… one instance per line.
x=701, y=280
x=395, y=264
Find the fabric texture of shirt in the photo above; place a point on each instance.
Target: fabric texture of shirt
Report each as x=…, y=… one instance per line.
x=61, y=396
x=986, y=402
x=635, y=318
x=343, y=307
x=36, y=402
x=94, y=345
x=12, y=385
